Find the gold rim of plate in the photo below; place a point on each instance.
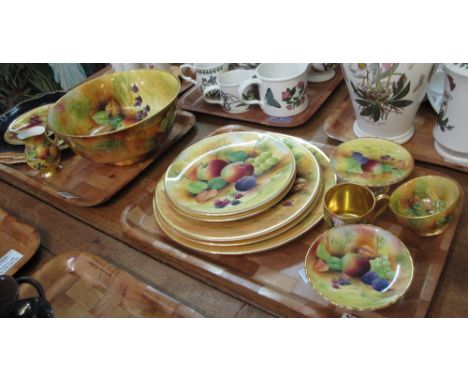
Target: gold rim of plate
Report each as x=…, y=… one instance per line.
x=219, y=144
x=328, y=180
x=279, y=218
x=232, y=218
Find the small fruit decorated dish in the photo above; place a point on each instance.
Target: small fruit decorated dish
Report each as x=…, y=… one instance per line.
x=359, y=267
x=119, y=118
x=374, y=162
x=34, y=117
x=426, y=204
x=230, y=174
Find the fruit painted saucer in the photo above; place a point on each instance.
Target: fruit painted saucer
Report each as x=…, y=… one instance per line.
x=374, y=162
x=289, y=209
x=229, y=175
x=311, y=219
x=359, y=267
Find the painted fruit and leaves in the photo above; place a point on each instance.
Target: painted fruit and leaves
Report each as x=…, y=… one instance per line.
x=380, y=89
x=115, y=115
x=294, y=96
x=41, y=153
x=226, y=177
x=442, y=119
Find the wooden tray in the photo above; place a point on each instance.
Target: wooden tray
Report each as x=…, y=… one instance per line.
x=79, y=284
x=318, y=93
x=275, y=280
x=85, y=183
x=339, y=126
x=18, y=237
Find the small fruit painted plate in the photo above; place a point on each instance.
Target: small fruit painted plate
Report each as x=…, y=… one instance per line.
x=374, y=162
x=311, y=219
x=34, y=117
x=359, y=267
x=303, y=194
x=230, y=174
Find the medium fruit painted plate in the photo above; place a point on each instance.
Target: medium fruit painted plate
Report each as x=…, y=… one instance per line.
x=374, y=162
x=359, y=267
x=229, y=175
x=312, y=218
x=303, y=194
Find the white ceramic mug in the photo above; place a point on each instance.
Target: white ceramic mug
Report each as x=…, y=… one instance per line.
x=282, y=89
x=321, y=72
x=386, y=98
x=451, y=130
x=206, y=74
x=227, y=89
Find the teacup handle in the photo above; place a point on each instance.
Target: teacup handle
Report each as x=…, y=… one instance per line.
x=381, y=204
x=244, y=85
x=34, y=283
x=209, y=98
x=184, y=76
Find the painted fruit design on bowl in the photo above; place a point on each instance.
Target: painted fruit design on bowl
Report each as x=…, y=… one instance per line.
x=359, y=267
x=114, y=116
x=230, y=173
x=372, y=161
x=426, y=204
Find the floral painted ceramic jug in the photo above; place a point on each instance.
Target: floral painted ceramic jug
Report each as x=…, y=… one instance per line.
x=386, y=98
x=451, y=130
x=40, y=151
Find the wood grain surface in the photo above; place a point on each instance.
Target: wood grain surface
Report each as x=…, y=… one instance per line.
x=64, y=227
x=273, y=279
x=80, y=284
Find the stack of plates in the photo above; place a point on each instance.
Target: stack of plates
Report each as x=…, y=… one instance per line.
x=243, y=192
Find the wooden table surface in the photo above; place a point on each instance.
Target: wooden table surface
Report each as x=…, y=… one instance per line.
x=64, y=227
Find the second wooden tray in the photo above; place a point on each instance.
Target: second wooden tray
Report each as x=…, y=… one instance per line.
x=85, y=183
x=339, y=126
x=318, y=93
x=79, y=284
x=275, y=280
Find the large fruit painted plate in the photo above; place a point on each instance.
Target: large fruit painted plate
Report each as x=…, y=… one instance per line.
x=359, y=267
x=374, y=162
x=301, y=197
x=269, y=241
x=230, y=174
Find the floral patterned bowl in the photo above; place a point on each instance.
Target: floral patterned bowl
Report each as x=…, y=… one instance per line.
x=426, y=204
x=119, y=118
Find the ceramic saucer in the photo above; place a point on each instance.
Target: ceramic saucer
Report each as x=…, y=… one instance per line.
x=229, y=175
x=359, y=267
x=374, y=162
x=34, y=117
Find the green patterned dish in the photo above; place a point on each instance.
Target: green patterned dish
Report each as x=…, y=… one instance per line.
x=230, y=174
x=119, y=118
x=426, y=204
x=374, y=162
x=359, y=267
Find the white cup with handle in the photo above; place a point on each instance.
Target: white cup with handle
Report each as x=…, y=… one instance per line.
x=206, y=74
x=282, y=89
x=226, y=90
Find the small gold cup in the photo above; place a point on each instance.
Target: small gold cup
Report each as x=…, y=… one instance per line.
x=349, y=203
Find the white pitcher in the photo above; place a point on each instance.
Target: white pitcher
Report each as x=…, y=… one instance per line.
x=386, y=98
x=451, y=130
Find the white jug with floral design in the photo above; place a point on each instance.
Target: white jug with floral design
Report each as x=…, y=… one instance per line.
x=451, y=130
x=386, y=98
